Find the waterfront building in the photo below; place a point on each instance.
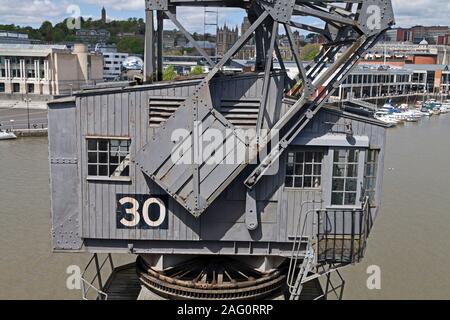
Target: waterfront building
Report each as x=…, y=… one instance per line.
x=436, y=77
x=93, y=35
x=14, y=37
x=112, y=62
x=46, y=70
x=400, y=53
x=376, y=81
x=432, y=34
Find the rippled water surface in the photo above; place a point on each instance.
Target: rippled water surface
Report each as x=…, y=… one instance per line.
x=410, y=241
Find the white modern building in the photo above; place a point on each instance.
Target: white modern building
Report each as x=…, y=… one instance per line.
x=46, y=70
x=112, y=62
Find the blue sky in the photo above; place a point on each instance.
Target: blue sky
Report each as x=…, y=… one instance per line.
x=34, y=12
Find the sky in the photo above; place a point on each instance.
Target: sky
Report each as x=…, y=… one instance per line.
x=34, y=12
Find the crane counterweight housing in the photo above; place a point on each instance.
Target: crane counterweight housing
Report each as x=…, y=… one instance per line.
x=255, y=166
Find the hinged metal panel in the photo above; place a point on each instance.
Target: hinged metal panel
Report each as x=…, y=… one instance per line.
x=181, y=166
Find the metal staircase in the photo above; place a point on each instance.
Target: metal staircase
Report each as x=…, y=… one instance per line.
x=332, y=247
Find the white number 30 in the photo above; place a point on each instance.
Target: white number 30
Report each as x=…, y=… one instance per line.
x=134, y=212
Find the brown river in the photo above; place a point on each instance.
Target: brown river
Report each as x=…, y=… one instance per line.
x=410, y=242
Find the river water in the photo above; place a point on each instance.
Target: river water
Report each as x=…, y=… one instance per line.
x=410, y=242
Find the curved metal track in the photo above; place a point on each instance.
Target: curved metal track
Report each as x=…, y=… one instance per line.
x=207, y=278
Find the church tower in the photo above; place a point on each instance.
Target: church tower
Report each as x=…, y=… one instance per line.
x=103, y=15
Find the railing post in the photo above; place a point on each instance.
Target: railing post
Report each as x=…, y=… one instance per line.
x=99, y=275
x=352, y=247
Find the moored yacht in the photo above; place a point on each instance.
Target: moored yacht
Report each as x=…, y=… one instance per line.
x=4, y=135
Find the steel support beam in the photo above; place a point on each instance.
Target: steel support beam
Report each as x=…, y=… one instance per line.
x=149, y=47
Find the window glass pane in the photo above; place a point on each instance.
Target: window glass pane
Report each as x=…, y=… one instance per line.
x=114, y=146
x=317, y=182
x=350, y=184
x=308, y=157
x=353, y=155
x=112, y=169
x=298, y=183
x=308, y=169
x=350, y=199
x=289, y=182
x=299, y=157
x=102, y=170
x=352, y=170
x=338, y=185
x=92, y=170
x=318, y=157
x=308, y=182
x=114, y=159
x=340, y=156
x=92, y=144
x=290, y=169
x=102, y=157
x=299, y=169
x=124, y=145
x=317, y=169
x=338, y=170
x=92, y=157
x=103, y=145
x=336, y=198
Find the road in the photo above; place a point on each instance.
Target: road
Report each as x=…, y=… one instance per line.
x=38, y=118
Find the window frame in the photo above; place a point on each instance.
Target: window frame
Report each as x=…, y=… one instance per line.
x=359, y=178
x=108, y=163
x=304, y=150
x=376, y=163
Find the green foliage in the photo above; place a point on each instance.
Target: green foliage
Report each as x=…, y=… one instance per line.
x=60, y=33
x=169, y=73
x=195, y=71
x=133, y=45
x=309, y=52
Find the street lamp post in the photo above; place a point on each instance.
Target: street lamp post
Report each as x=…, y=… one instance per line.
x=27, y=100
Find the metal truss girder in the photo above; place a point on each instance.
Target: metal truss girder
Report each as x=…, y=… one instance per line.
x=334, y=75
x=280, y=10
x=326, y=16
x=197, y=185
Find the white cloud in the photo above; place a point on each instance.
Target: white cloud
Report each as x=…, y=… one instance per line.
x=119, y=5
x=26, y=12
x=421, y=12
x=193, y=19
x=34, y=12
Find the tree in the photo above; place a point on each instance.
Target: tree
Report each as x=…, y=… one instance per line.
x=133, y=45
x=309, y=52
x=46, y=30
x=195, y=71
x=169, y=73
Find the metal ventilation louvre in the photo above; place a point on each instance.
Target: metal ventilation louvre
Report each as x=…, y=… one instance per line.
x=241, y=113
x=161, y=109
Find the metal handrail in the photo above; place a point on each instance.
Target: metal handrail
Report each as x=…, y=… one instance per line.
x=361, y=216
x=97, y=276
x=296, y=245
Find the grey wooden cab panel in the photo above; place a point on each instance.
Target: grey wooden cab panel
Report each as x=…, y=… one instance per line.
x=126, y=114
x=64, y=176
